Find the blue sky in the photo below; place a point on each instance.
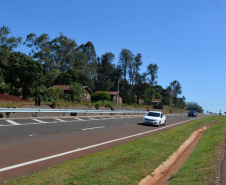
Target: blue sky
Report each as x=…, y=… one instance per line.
x=185, y=38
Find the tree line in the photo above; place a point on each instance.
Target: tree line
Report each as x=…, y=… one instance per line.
x=61, y=61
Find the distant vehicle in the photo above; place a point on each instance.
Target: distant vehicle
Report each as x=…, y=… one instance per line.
x=154, y=118
x=192, y=113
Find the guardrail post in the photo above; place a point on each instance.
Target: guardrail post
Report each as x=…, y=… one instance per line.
x=64, y=114
x=7, y=114
x=36, y=114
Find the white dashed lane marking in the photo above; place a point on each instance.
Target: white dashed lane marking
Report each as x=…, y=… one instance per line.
x=92, y=128
x=12, y=122
x=40, y=121
x=59, y=119
x=80, y=119
x=94, y=119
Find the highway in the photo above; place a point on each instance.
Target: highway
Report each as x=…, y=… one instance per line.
x=28, y=145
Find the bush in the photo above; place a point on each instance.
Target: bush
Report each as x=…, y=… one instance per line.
x=109, y=104
x=94, y=97
x=100, y=96
x=77, y=92
x=136, y=105
x=4, y=88
x=97, y=105
x=54, y=104
x=104, y=96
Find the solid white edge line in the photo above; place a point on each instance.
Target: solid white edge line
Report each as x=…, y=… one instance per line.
x=92, y=128
x=85, y=148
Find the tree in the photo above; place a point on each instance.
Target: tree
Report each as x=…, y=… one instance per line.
x=108, y=74
x=147, y=94
x=7, y=44
x=6, y=41
x=181, y=103
x=106, y=67
x=131, y=72
x=153, y=71
x=194, y=106
x=41, y=49
x=166, y=95
x=125, y=59
x=137, y=64
x=23, y=73
x=142, y=85
x=61, y=53
x=4, y=88
x=57, y=94
x=66, y=78
x=124, y=86
x=89, y=50
x=64, y=51
x=116, y=77
x=158, y=95
x=50, y=77
x=76, y=91
x=80, y=61
x=176, y=90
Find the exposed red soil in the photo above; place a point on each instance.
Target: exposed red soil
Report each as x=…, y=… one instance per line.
x=10, y=98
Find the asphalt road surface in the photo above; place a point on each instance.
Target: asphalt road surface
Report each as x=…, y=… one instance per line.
x=28, y=145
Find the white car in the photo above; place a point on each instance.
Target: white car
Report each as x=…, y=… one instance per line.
x=154, y=118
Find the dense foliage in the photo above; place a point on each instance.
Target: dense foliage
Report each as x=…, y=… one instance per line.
x=61, y=61
x=101, y=96
x=194, y=106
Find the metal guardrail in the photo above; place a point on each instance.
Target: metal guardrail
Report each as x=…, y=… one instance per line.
x=64, y=111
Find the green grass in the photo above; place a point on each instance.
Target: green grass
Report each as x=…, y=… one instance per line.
x=129, y=163
x=202, y=165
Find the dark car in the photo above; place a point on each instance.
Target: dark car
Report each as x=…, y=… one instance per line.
x=192, y=113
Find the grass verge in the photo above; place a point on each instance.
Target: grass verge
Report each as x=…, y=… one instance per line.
x=202, y=167
x=129, y=163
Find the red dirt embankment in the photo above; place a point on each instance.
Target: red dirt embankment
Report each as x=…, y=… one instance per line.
x=10, y=98
x=162, y=174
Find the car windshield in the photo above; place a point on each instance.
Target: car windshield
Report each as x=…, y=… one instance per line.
x=154, y=114
x=192, y=112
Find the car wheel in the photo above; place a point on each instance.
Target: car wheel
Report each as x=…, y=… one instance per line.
x=159, y=123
